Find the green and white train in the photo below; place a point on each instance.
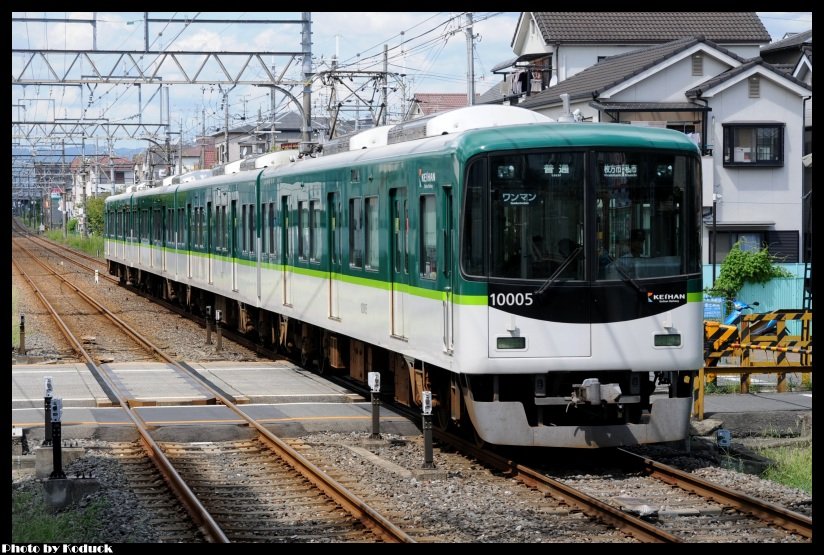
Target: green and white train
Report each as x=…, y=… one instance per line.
x=540, y=279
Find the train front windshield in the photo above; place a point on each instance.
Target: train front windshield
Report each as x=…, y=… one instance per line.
x=635, y=214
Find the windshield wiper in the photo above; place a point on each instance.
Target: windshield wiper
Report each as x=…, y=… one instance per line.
x=551, y=279
x=627, y=278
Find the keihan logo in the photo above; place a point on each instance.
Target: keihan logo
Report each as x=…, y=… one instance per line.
x=426, y=177
x=666, y=297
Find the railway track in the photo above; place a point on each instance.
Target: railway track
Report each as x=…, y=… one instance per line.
x=361, y=515
x=692, y=511
x=652, y=501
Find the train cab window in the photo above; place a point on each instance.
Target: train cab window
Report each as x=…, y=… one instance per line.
x=428, y=238
x=537, y=216
x=372, y=232
x=640, y=214
x=355, y=233
x=315, y=235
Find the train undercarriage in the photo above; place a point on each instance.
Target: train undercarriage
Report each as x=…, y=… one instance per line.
x=543, y=404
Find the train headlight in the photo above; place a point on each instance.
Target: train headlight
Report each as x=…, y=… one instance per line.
x=668, y=340
x=511, y=342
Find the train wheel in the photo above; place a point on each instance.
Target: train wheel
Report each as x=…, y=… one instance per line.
x=323, y=364
x=441, y=420
x=479, y=442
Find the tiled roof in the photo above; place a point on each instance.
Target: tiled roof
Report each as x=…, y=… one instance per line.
x=729, y=74
x=431, y=103
x=119, y=163
x=646, y=27
x=792, y=42
x=615, y=69
x=494, y=94
x=649, y=106
x=785, y=68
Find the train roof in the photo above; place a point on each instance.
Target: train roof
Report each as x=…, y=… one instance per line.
x=466, y=132
x=505, y=137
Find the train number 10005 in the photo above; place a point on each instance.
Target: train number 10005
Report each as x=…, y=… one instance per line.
x=510, y=299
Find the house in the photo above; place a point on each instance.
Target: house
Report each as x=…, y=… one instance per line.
x=745, y=115
x=425, y=104
x=794, y=54
x=236, y=144
x=550, y=47
x=96, y=175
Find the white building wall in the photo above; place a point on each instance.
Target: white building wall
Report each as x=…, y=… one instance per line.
x=575, y=59
x=668, y=85
x=760, y=193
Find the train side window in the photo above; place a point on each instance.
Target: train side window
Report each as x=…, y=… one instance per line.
x=315, y=233
x=224, y=229
x=272, y=227
x=428, y=238
x=371, y=233
x=303, y=230
x=472, y=254
x=243, y=228
x=355, y=233
x=156, y=229
x=251, y=228
x=180, y=219
x=264, y=235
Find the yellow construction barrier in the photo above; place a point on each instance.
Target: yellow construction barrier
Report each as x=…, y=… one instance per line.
x=724, y=341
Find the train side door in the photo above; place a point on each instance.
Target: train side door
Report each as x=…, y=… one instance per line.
x=334, y=250
x=188, y=226
x=286, y=251
x=209, y=240
x=165, y=231
x=399, y=259
x=447, y=240
x=233, y=242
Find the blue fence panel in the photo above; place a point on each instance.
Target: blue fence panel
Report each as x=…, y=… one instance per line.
x=778, y=293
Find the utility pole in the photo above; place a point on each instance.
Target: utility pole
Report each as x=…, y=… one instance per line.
x=306, y=47
x=385, y=84
x=226, y=126
x=64, y=188
x=470, y=61
x=203, y=142
x=180, y=151
x=83, y=187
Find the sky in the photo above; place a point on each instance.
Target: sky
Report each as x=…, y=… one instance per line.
x=429, y=49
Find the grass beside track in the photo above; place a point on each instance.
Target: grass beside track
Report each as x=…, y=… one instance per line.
x=793, y=466
x=92, y=245
x=33, y=522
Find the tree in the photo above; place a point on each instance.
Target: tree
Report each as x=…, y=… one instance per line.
x=741, y=266
x=94, y=214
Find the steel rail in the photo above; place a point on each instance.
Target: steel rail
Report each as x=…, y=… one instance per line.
x=789, y=520
x=196, y=510
x=592, y=507
x=381, y=526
